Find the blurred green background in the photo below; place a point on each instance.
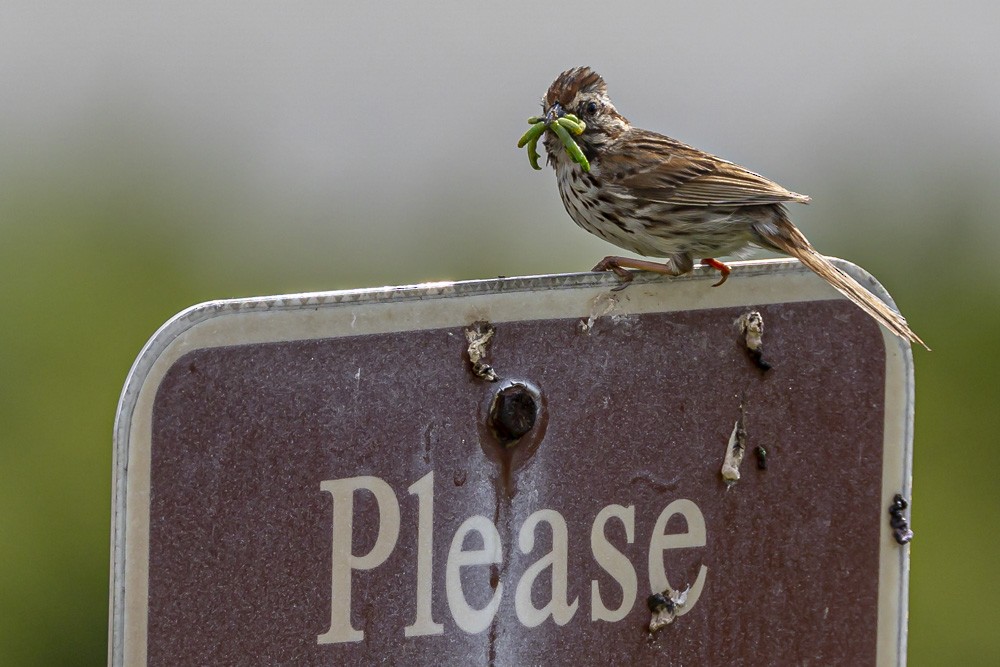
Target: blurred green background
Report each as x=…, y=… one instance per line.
x=155, y=157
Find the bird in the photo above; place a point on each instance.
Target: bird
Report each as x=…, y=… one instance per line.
x=658, y=197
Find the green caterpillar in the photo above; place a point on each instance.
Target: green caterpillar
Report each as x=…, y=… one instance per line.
x=563, y=127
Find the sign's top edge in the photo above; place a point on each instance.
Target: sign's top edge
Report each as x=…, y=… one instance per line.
x=199, y=313
x=439, y=289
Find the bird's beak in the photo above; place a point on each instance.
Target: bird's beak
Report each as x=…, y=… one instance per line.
x=554, y=113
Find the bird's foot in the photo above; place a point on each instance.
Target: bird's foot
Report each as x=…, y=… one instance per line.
x=620, y=265
x=614, y=265
x=720, y=266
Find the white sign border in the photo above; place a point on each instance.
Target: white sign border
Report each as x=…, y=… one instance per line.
x=448, y=304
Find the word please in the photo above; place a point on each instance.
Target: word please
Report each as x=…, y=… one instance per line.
x=474, y=620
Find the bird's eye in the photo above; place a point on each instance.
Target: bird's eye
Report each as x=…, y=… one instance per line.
x=590, y=109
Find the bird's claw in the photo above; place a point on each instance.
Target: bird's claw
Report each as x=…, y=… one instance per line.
x=609, y=264
x=721, y=267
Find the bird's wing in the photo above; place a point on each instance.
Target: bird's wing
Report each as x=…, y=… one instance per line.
x=650, y=166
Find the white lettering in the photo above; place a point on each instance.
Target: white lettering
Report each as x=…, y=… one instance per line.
x=558, y=608
x=424, y=623
x=614, y=563
x=466, y=617
x=344, y=561
x=696, y=536
x=485, y=549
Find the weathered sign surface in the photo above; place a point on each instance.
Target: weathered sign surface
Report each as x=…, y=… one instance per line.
x=330, y=479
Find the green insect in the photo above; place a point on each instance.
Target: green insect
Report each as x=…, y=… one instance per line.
x=564, y=127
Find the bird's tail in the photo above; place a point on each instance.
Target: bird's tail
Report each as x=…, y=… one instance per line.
x=791, y=241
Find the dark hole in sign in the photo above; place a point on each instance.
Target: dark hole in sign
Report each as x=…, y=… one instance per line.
x=513, y=413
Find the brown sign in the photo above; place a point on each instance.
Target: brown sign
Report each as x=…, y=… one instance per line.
x=330, y=479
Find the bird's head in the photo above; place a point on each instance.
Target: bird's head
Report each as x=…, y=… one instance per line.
x=581, y=91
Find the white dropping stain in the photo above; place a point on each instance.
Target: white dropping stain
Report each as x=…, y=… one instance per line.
x=601, y=305
x=734, y=453
x=478, y=336
x=751, y=325
x=671, y=603
x=354, y=320
x=357, y=379
x=623, y=319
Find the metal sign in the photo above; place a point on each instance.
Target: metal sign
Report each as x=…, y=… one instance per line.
x=517, y=471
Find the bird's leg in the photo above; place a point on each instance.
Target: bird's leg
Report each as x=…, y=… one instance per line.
x=720, y=266
x=618, y=265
